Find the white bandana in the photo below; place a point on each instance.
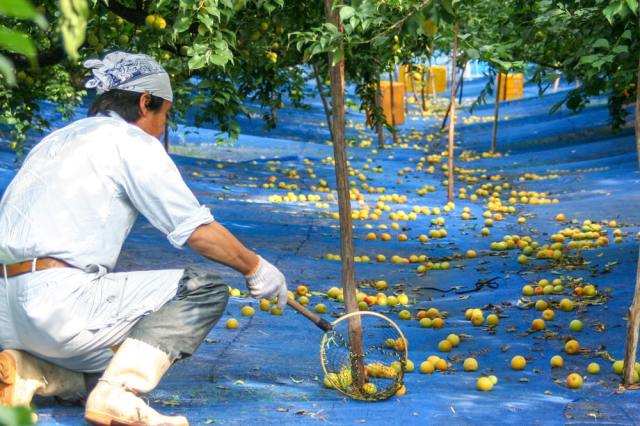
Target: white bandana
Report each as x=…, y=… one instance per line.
x=126, y=71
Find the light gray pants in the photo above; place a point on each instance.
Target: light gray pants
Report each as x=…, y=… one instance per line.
x=180, y=326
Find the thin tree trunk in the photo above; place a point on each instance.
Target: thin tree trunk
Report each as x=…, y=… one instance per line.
x=494, y=137
x=633, y=325
x=413, y=90
x=446, y=116
x=344, y=201
x=274, y=109
x=423, y=88
x=433, y=80
x=392, y=105
x=464, y=68
x=379, y=105
x=325, y=105
x=638, y=99
x=452, y=122
x=556, y=84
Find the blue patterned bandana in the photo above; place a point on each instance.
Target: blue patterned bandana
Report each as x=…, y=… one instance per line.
x=126, y=71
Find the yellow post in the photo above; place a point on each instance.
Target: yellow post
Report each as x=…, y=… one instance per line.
x=398, y=101
x=511, y=86
x=436, y=78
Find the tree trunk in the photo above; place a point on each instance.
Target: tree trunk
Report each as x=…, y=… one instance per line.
x=344, y=201
x=325, y=105
x=633, y=325
x=413, y=89
x=556, y=84
x=638, y=100
x=494, y=137
x=433, y=80
x=452, y=122
x=379, y=105
x=392, y=105
x=423, y=88
x=464, y=68
x=446, y=116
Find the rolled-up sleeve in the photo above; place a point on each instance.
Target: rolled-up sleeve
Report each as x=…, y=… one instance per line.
x=156, y=189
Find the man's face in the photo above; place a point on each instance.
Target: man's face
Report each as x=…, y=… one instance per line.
x=153, y=122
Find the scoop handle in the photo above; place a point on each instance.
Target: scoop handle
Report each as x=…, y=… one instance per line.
x=322, y=323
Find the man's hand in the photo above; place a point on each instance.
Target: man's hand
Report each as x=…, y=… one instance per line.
x=267, y=282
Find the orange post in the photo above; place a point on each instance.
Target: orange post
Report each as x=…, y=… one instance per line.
x=398, y=101
x=511, y=86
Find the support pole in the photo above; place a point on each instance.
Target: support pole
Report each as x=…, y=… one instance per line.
x=344, y=200
x=452, y=122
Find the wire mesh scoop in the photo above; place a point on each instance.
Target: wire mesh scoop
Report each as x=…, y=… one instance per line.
x=372, y=371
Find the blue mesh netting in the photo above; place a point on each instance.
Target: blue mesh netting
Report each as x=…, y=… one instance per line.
x=268, y=370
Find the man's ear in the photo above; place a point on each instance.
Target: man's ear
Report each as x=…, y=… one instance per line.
x=143, y=103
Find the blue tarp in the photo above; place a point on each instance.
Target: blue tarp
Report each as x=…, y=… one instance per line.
x=268, y=371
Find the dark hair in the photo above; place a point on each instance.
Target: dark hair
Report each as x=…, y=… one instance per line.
x=124, y=103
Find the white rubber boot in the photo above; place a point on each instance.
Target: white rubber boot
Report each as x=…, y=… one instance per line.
x=135, y=368
x=23, y=375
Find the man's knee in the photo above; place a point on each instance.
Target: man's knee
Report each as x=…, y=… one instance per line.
x=203, y=285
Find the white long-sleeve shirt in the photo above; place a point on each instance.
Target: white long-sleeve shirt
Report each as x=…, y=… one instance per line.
x=79, y=191
x=75, y=198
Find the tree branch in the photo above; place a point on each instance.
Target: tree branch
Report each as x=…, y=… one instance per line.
x=396, y=24
x=44, y=59
x=135, y=16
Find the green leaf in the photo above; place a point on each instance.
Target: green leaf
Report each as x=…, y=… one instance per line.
x=588, y=59
x=221, y=58
x=15, y=416
x=473, y=54
x=346, y=12
x=196, y=62
x=73, y=24
x=182, y=24
x=617, y=7
x=206, y=19
x=21, y=9
x=609, y=12
x=620, y=49
x=633, y=6
x=16, y=42
x=7, y=70
x=338, y=55
x=601, y=42
x=446, y=4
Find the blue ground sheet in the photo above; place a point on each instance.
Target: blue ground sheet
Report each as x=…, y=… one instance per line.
x=268, y=370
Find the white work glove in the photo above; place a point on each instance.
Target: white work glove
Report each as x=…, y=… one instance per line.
x=267, y=282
